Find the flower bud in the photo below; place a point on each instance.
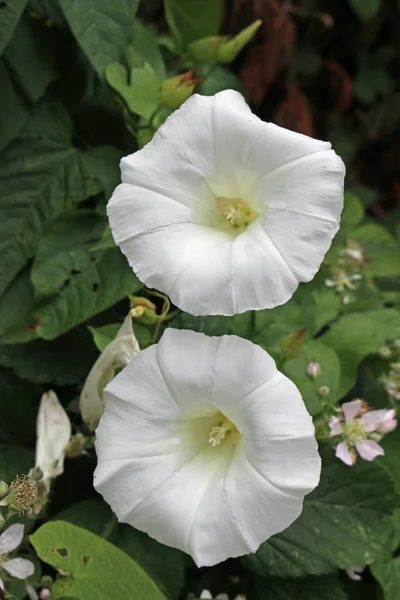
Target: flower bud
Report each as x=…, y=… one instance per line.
x=176, y=90
x=385, y=352
x=144, y=136
x=324, y=391
x=46, y=582
x=118, y=353
x=313, y=369
x=76, y=446
x=3, y=489
x=293, y=344
x=219, y=48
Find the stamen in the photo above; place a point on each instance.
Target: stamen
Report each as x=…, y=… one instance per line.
x=218, y=433
x=237, y=212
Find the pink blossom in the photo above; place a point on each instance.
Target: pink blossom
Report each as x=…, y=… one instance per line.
x=360, y=430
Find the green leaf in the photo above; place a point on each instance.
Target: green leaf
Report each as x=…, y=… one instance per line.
x=391, y=461
x=326, y=357
x=219, y=79
x=106, y=240
x=310, y=588
x=41, y=175
x=191, y=20
x=16, y=301
x=27, y=68
x=15, y=460
x=14, y=110
x=10, y=14
x=353, y=210
x=18, y=409
x=164, y=565
x=141, y=94
x=97, y=569
x=64, y=361
x=102, y=336
x=107, y=279
x=365, y=9
x=102, y=29
x=309, y=308
x=64, y=251
x=343, y=523
x=31, y=59
x=102, y=163
x=380, y=247
x=355, y=336
x=386, y=568
x=144, y=49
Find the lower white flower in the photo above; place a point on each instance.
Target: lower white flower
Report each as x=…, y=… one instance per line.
x=205, y=446
x=115, y=355
x=53, y=435
x=10, y=539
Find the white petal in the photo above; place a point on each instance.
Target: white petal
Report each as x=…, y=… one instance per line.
x=180, y=157
x=1, y=584
x=253, y=288
x=53, y=435
x=157, y=469
x=118, y=353
x=163, y=218
x=21, y=568
x=11, y=538
x=303, y=201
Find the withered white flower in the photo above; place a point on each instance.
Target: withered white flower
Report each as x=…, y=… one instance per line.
x=226, y=213
x=53, y=434
x=205, y=446
x=115, y=355
x=10, y=539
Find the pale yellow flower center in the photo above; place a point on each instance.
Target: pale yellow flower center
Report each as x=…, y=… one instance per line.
x=355, y=432
x=237, y=213
x=220, y=431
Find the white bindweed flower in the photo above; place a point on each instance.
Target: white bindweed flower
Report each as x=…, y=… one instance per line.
x=226, y=213
x=10, y=539
x=53, y=435
x=118, y=353
x=205, y=446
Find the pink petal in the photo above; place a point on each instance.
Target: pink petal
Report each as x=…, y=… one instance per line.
x=372, y=419
x=335, y=426
x=343, y=452
x=368, y=449
x=351, y=409
x=389, y=422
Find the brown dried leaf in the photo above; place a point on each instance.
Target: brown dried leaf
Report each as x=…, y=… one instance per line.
x=342, y=86
x=294, y=113
x=267, y=60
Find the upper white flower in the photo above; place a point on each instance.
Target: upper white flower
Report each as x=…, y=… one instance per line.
x=115, y=355
x=53, y=435
x=226, y=213
x=205, y=446
x=10, y=539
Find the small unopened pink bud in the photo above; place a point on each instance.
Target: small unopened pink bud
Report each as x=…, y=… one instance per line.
x=313, y=369
x=44, y=594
